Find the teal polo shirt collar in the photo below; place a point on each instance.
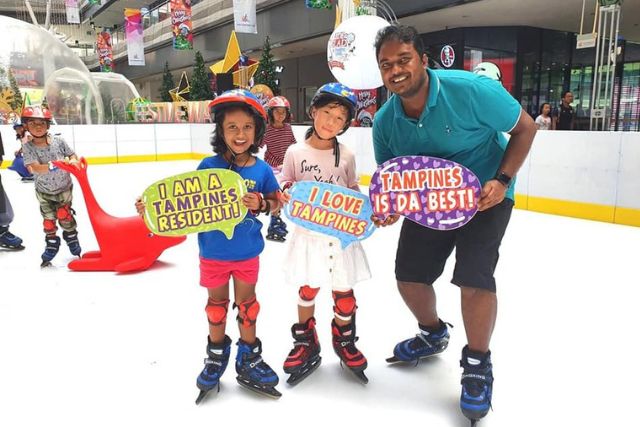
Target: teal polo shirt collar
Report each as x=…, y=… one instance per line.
x=432, y=100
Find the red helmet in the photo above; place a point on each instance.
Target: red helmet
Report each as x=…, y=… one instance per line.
x=36, y=112
x=278, y=101
x=241, y=96
x=237, y=96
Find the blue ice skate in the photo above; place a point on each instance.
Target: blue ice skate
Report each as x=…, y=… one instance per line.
x=253, y=372
x=71, y=237
x=423, y=345
x=277, y=230
x=9, y=240
x=477, y=384
x=214, y=366
x=51, y=250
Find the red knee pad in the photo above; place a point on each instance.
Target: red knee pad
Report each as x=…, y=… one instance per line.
x=307, y=295
x=248, y=312
x=64, y=213
x=50, y=226
x=217, y=311
x=344, y=304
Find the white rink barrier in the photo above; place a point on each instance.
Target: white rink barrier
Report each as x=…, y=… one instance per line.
x=592, y=175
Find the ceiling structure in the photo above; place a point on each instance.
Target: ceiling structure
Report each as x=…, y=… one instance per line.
x=562, y=15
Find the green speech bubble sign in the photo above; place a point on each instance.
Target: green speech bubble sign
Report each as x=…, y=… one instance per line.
x=194, y=202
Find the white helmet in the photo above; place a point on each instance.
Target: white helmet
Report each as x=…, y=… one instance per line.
x=488, y=69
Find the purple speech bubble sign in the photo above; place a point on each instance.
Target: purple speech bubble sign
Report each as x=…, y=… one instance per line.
x=436, y=193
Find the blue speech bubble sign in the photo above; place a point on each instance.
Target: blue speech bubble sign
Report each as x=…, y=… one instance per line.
x=332, y=210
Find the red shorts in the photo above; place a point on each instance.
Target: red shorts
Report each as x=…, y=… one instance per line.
x=214, y=273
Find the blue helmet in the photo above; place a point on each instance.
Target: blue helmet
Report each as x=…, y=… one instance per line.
x=339, y=93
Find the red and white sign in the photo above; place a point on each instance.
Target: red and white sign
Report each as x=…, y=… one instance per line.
x=447, y=56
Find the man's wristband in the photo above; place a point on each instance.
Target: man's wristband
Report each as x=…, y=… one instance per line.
x=503, y=178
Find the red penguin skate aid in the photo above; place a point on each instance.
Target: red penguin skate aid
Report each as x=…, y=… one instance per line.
x=126, y=244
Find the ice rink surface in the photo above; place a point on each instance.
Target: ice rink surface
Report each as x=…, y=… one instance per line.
x=100, y=349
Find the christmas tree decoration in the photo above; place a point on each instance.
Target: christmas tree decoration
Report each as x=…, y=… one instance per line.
x=200, y=84
x=266, y=73
x=167, y=84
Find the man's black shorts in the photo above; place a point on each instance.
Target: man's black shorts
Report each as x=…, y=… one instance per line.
x=423, y=252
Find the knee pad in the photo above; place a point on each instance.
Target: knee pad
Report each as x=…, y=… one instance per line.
x=344, y=305
x=64, y=213
x=217, y=311
x=248, y=312
x=307, y=295
x=50, y=226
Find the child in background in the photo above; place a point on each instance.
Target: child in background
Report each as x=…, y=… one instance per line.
x=277, y=138
x=53, y=186
x=18, y=162
x=8, y=240
x=313, y=259
x=543, y=121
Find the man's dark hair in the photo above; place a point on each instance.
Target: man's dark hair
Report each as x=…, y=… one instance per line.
x=564, y=93
x=401, y=33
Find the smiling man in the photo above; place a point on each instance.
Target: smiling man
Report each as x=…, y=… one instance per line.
x=459, y=116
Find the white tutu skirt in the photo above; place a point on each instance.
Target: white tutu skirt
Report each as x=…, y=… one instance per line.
x=318, y=260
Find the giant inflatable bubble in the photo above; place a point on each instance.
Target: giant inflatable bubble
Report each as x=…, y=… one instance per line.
x=43, y=64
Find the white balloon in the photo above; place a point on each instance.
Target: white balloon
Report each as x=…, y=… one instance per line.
x=351, y=54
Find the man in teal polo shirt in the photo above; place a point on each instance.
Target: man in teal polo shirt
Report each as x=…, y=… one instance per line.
x=459, y=116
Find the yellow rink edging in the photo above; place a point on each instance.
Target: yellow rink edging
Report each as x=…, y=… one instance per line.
x=107, y=160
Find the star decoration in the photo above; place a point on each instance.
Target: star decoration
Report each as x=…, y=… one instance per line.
x=181, y=93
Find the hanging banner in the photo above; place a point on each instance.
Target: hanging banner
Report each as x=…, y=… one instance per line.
x=181, y=22
x=73, y=13
x=244, y=16
x=105, y=51
x=366, y=107
x=134, y=36
x=318, y=4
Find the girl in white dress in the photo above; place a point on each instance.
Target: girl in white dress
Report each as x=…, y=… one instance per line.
x=315, y=260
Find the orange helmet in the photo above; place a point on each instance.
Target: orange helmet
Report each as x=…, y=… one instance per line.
x=36, y=112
